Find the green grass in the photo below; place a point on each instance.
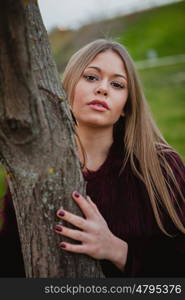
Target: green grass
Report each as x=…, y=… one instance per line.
x=2, y=192
x=2, y=186
x=162, y=29
x=165, y=90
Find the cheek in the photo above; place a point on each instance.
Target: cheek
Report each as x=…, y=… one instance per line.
x=122, y=101
x=82, y=93
x=78, y=99
x=79, y=92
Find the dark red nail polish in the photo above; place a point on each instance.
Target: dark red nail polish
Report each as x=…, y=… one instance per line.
x=58, y=228
x=62, y=245
x=61, y=213
x=76, y=194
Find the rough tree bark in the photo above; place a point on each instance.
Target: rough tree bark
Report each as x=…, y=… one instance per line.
x=37, y=145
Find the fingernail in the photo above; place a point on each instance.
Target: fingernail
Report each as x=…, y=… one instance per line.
x=61, y=213
x=76, y=194
x=58, y=228
x=62, y=245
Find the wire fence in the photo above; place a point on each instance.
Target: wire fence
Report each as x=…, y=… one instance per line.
x=160, y=61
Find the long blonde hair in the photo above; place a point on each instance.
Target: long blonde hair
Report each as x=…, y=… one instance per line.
x=143, y=142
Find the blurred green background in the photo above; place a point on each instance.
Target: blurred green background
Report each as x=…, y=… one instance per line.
x=148, y=35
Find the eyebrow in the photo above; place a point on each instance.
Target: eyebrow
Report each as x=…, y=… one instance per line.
x=99, y=70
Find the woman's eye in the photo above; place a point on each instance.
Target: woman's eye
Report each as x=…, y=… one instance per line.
x=90, y=77
x=117, y=85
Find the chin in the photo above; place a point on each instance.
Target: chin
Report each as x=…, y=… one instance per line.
x=95, y=123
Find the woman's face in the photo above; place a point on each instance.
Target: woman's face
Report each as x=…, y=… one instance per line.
x=101, y=93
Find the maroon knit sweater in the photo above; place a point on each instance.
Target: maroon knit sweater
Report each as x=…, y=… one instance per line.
x=124, y=203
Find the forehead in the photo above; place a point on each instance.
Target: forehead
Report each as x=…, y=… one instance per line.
x=108, y=60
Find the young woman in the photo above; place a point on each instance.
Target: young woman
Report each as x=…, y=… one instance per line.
x=134, y=214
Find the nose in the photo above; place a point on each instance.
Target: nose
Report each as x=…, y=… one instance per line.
x=102, y=90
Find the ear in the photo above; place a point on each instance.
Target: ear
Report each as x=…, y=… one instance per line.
x=122, y=114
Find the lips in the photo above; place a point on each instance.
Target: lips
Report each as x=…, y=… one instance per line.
x=99, y=104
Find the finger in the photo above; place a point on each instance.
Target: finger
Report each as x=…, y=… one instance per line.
x=96, y=210
x=72, y=219
x=83, y=204
x=93, y=205
x=70, y=233
x=91, y=202
x=72, y=248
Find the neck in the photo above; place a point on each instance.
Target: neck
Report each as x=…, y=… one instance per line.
x=96, y=144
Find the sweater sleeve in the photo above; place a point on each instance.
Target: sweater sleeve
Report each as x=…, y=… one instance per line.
x=156, y=257
x=160, y=255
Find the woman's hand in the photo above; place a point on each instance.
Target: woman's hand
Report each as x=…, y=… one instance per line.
x=96, y=239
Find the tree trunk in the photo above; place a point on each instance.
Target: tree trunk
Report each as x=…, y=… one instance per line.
x=37, y=145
